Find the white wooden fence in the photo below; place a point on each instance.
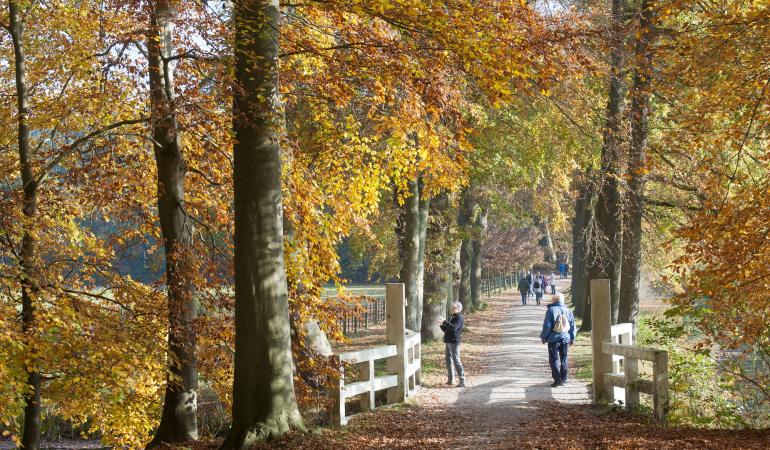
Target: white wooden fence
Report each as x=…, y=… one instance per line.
x=616, y=360
x=402, y=357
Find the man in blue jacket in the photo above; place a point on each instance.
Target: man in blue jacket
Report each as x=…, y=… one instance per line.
x=559, y=333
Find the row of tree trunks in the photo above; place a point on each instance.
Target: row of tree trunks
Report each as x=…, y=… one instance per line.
x=605, y=255
x=583, y=215
x=634, y=211
x=30, y=438
x=464, y=219
x=264, y=403
x=480, y=227
x=614, y=247
x=179, y=418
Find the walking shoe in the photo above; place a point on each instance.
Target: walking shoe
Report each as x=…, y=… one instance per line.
x=449, y=383
x=461, y=385
x=556, y=384
x=564, y=382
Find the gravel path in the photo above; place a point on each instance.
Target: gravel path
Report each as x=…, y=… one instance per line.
x=514, y=376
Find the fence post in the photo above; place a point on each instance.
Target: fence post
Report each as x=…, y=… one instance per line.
x=338, y=383
x=395, y=326
x=602, y=332
x=660, y=386
x=631, y=372
x=366, y=373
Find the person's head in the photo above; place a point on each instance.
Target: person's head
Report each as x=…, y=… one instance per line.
x=538, y=274
x=457, y=308
x=558, y=298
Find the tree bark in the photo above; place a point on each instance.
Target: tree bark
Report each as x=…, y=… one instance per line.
x=408, y=232
x=437, y=275
x=422, y=227
x=464, y=218
x=264, y=404
x=640, y=110
x=583, y=216
x=606, y=255
x=477, y=248
x=549, y=241
x=456, y=275
x=179, y=421
x=30, y=438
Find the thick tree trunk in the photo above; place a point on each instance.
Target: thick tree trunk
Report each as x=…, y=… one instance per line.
x=408, y=232
x=464, y=218
x=179, y=421
x=264, y=404
x=583, y=216
x=640, y=110
x=30, y=437
x=456, y=272
x=606, y=255
x=422, y=228
x=439, y=259
x=583, y=210
x=477, y=247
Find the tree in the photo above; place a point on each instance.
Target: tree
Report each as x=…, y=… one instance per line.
x=606, y=241
x=634, y=209
x=179, y=420
x=264, y=403
x=27, y=257
x=439, y=261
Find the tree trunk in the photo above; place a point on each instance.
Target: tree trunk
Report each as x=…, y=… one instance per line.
x=640, y=110
x=30, y=438
x=583, y=216
x=408, y=232
x=264, y=404
x=477, y=246
x=179, y=421
x=456, y=276
x=606, y=255
x=549, y=241
x=437, y=276
x=422, y=227
x=464, y=217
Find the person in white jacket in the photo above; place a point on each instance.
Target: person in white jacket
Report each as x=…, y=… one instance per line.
x=552, y=283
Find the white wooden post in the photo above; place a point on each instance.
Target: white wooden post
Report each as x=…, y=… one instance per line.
x=631, y=372
x=395, y=326
x=601, y=332
x=366, y=373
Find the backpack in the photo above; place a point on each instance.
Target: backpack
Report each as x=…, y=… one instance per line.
x=561, y=325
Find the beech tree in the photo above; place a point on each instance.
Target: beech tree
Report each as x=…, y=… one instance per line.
x=264, y=404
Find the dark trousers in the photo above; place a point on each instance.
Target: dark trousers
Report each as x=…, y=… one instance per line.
x=524, y=297
x=553, y=289
x=557, y=359
x=453, y=363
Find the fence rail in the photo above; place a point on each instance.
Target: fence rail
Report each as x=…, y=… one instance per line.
x=403, y=362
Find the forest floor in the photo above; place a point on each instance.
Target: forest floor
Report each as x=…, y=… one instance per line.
x=508, y=402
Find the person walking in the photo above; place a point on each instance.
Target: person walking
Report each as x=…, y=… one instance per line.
x=537, y=288
x=524, y=289
x=530, y=281
x=452, y=329
x=552, y=282
x=559, y=333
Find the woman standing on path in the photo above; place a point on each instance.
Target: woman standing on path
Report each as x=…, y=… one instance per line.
x=452, y=329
